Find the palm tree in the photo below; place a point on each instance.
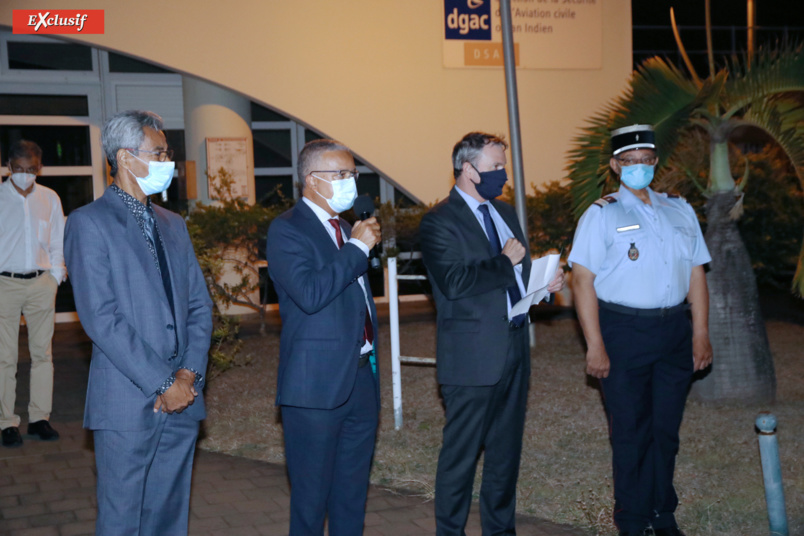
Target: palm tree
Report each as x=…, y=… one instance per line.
x=765, y=93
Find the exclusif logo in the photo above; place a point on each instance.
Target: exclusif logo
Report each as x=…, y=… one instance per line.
x=58, y=21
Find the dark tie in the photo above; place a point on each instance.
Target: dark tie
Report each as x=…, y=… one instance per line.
x=153, y=235
x=496, y=248
x=368, y=329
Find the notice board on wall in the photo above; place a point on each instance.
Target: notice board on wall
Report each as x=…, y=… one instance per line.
x=231, y=154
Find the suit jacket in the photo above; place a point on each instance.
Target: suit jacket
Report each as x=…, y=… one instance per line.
x=470, y=291
x=121, y=301
x=322, y=307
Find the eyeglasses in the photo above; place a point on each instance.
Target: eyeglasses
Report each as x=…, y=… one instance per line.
x=162, y=156
x=647, y=160
x=340, y=174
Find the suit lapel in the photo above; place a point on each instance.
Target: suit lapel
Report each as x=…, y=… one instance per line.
x=168, y=239
x=315, y=229
x=510, y=219
x=468, y=221
x=136, y=244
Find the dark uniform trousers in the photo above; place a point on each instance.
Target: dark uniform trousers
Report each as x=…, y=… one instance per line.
x=645, y=394
x=488, y=419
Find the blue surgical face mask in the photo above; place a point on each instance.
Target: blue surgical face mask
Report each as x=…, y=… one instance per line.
x=491, y=183
x=160, y=174
x=637, y=176
x=344, y=193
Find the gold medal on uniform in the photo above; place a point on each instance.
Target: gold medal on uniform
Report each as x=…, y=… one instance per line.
x=633, y=252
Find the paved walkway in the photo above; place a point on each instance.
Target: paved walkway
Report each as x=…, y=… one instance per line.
x=48, y=489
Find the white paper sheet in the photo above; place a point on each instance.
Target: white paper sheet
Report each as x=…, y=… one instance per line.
x=542, y=271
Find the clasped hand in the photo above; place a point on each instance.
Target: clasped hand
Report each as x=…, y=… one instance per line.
x=179, y=395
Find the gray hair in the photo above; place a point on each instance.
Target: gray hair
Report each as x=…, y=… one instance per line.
x=310, y=153
x=470, y=147
x=24, y=149
x=125, y=131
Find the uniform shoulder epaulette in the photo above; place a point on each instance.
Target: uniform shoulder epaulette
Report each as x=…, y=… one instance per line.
x=605, y=200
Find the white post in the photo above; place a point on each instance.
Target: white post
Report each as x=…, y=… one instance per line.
x=393, y=312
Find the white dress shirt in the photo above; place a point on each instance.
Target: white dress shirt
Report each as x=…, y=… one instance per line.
x=324, y=217
x=31, y=231
x=503, y=232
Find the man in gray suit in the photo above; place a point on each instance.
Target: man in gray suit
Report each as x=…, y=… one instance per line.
x=142, y=299
x=477, y=261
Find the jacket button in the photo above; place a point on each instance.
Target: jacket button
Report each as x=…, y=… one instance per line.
x=170, y=327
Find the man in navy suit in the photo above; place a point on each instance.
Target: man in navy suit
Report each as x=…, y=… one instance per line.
x=142, y=299
x=477, y=260
x=328, y=388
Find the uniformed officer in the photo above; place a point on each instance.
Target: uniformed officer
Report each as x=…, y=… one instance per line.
x=637, y=261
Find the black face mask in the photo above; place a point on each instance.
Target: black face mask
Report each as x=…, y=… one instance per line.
x=491, y=183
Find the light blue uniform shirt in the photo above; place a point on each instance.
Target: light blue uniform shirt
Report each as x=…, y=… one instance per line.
x=665, y=238
x=503, y=233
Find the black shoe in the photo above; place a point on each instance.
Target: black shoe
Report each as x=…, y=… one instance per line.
x=43, y=430
x=11, y=437
x=645, y=532
x=668, y=531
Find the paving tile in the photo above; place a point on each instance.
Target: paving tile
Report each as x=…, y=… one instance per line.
x=81, y=528
x=48, y=488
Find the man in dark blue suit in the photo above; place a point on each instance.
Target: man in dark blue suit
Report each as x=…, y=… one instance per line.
x=328, y=388
x=142, y=299
x=476, y=258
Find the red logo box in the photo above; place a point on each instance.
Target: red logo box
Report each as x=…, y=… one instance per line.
x=58, y=21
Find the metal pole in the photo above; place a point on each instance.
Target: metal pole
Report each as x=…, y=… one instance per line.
x=772, y=473
x=513, y=113
x=513, y=126
x=393, y=313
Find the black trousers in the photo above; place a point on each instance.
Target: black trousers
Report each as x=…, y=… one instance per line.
x=488, y=419
x=645, y=394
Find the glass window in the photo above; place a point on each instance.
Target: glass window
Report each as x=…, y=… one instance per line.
x=175, y=140
x=272, y=148
x=310, y=135
x=268, y=189
x=61, y=146
x=402, y=200
x=73, y=105
x=30, y=55
x=74, y=191
x=369, y=183
x=119, y=63
x=261, y=113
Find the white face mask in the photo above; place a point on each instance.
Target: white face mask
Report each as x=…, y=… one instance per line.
x=23, y=180
x=344, y=193
x=160, y=174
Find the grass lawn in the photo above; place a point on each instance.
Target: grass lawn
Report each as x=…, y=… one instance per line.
x=566, y=464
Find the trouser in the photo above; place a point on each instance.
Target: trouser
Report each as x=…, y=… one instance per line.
x=36, y=299
x=144, y=478
x=328, y=454
x=490, y=419
x=645, y=394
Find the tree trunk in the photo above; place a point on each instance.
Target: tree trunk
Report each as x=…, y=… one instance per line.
x=742, y=369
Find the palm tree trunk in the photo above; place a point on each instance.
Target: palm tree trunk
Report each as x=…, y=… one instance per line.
x=742, y=369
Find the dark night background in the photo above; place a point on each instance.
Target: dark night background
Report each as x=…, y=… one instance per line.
x=729, y=19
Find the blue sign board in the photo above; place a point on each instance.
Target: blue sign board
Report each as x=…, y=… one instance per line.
x=467, y=20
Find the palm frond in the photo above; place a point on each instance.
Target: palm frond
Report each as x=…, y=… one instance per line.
x=773, y=71
x=658, y=94
x=783, y=119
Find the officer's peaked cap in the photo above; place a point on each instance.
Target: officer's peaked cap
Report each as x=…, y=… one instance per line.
x=633, y=137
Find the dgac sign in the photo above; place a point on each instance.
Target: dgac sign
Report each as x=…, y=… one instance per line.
x=58, y=21
x=467, y=20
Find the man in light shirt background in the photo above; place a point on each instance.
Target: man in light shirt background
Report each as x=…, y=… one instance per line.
x=31, y=269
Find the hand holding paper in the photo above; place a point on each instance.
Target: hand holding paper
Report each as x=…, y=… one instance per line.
x=542, y=272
